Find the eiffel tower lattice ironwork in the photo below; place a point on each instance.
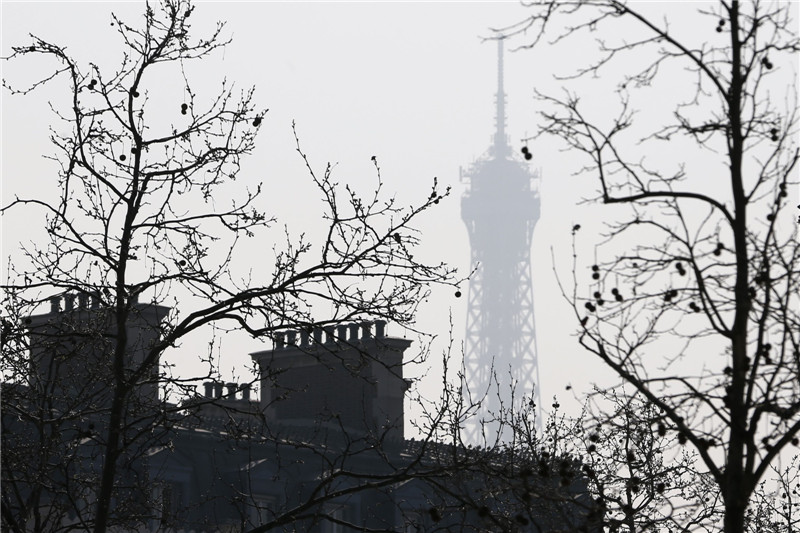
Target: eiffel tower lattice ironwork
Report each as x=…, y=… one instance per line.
x=500, y=209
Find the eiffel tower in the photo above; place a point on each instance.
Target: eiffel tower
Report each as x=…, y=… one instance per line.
x=500, y=209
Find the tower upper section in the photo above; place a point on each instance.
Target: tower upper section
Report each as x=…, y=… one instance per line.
x=500, y=209
x=501, y=205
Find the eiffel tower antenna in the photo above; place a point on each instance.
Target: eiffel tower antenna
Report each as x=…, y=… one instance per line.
x=500, y=140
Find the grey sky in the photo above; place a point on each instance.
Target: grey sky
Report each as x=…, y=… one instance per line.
x=411, y=83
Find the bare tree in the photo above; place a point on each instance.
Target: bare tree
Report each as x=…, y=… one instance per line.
x=693, y=300
x=534, y=479
x=148, y=207
x=775, y=506
x=642, y=478
x=614, y=467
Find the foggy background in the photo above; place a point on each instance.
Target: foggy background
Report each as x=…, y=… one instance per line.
x=410, y=83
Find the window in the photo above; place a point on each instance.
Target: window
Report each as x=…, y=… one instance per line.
x=261, y=509
x=337, y=513
x=169, y=497
x=412, y=522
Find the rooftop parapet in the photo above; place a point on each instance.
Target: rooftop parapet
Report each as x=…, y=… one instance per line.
x=66, y=302
x=328, y=335
x=70, y=301
x=215, y=389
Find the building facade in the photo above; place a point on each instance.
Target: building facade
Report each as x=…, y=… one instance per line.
x=320, y=448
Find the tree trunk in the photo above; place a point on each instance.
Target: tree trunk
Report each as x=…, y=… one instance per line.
x=735, y=492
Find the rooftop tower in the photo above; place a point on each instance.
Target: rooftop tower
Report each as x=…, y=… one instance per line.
x=500, y=208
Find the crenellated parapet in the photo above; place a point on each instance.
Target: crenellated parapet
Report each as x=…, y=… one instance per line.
x=231, y=390
x=80, y=301
x=347, y=334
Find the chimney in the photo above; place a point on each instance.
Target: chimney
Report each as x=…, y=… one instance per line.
x=232, y=389
x=353, y=332
x=83, y=300
x=246, y=391
x=380, y=329
x=55, y=304
x=69, y=302
x=218, y=390
x=209, y=386
x=330, y=336
x=279, y=339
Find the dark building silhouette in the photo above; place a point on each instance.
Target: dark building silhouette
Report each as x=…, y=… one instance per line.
x=500, y=209
x=71, y=346
x=321, y=449
x=349, y=377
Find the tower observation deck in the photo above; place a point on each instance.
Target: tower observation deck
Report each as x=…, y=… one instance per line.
x=500, y=208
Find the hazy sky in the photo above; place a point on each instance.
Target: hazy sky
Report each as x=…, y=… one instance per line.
x=411, y=83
